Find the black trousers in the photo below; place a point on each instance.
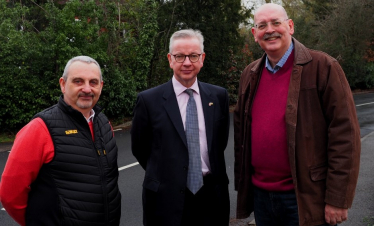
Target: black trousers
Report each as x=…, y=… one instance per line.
x=209, y=206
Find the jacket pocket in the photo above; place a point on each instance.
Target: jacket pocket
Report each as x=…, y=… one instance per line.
x=318, y=173
x=151, y=184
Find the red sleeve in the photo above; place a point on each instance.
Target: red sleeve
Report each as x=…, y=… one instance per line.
x=111, y=128
x=32, y=148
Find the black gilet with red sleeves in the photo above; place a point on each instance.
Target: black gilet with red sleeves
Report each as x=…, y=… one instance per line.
x=79, y=186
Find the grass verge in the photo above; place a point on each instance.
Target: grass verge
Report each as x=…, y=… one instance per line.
x=7, y=137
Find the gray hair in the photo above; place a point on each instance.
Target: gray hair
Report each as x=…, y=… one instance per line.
x=85, y=59
x=187, y=33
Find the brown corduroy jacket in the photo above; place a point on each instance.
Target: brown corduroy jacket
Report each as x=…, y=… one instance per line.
x=323, y=135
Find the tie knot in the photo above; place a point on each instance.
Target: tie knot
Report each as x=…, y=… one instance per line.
x=189, y=92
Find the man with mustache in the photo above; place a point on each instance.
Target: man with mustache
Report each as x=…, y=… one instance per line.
x=297, y=138
x=62, y=169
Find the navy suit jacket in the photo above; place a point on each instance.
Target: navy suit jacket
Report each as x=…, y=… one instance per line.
x=159, y=144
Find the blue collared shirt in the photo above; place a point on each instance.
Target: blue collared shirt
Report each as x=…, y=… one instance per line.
x=281, y=62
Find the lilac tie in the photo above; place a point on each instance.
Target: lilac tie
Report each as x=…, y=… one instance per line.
x=194, y=176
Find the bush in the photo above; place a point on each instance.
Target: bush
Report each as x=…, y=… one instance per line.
x=36, y=41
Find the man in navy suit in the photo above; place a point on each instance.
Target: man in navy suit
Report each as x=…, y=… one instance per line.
x=160, y=145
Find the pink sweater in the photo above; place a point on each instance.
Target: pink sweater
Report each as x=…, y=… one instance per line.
x=269, y=136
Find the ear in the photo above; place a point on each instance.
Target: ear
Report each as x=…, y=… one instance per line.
x=62, y=85
x=102, y=85
x=253, y=30
x=170, y=60
x=291, y=26
x=202, y=57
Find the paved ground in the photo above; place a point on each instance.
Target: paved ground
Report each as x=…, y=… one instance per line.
x=362, y=211
x=5, y=146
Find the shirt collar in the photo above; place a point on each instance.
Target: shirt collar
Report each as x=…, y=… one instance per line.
x=92, y=115
x=179, y=88
x=281, y=62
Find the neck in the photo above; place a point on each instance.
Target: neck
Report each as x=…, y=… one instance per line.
x=274, y=57
x=87, y=113
x=273, y=60
x=186, y=83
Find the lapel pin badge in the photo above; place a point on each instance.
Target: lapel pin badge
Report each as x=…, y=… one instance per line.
x=210, y=104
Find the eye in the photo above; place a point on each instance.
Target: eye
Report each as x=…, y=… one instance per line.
x=77, y=81
x=94, y=82
x=261, y=26
x=194, y=56
x=179, y=57
x=276, y=23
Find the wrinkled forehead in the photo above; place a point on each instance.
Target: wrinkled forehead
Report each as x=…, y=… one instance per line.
x=269, y=12
x=79, y=69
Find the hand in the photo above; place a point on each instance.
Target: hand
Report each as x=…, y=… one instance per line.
x=335, y=215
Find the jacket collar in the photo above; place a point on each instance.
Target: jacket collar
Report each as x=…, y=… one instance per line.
x=68, y=109
x=302, y=56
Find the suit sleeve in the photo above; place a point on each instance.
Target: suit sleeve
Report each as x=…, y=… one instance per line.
x=32, y=148
x=227, y=113
x=141, y=133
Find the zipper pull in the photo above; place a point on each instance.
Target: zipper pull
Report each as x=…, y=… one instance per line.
x=103, y=149
x=98, y=152
x=106, y=157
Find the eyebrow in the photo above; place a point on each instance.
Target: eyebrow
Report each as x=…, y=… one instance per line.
x=274, y=19
x=80, y=78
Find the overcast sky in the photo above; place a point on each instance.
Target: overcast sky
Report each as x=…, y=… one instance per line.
x=250, y=3
x=256, y=3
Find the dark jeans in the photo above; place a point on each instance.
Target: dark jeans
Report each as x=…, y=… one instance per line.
x=276, y=208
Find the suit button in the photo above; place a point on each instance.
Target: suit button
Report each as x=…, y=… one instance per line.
x=182, y=191
x=185, y=168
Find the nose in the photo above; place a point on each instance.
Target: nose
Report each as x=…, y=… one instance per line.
x=86, y=87
x=269, y=28
x=187, y=61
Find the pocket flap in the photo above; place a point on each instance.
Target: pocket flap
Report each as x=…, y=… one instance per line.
x=151, y=184
x=318, y=173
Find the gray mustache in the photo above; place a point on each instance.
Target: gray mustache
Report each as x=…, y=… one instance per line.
x=272, y=35
x=85, y=95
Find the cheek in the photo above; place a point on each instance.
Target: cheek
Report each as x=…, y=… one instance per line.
x=98, y=90
x=259, y=37
x=201, y=65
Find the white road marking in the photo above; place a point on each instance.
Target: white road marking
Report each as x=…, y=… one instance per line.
x=3, y=209
x=137, y=163
x=128, y=166
x=117, y=130
x=358, y=105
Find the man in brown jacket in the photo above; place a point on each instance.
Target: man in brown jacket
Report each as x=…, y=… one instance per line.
x=297, y=138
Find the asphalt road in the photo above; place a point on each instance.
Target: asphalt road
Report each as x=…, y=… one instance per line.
x=131, y=174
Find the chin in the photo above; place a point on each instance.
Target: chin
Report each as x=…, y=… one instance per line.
x=85, y=106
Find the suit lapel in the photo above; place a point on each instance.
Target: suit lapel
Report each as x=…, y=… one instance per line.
x=208, y=107
x=172, y=108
